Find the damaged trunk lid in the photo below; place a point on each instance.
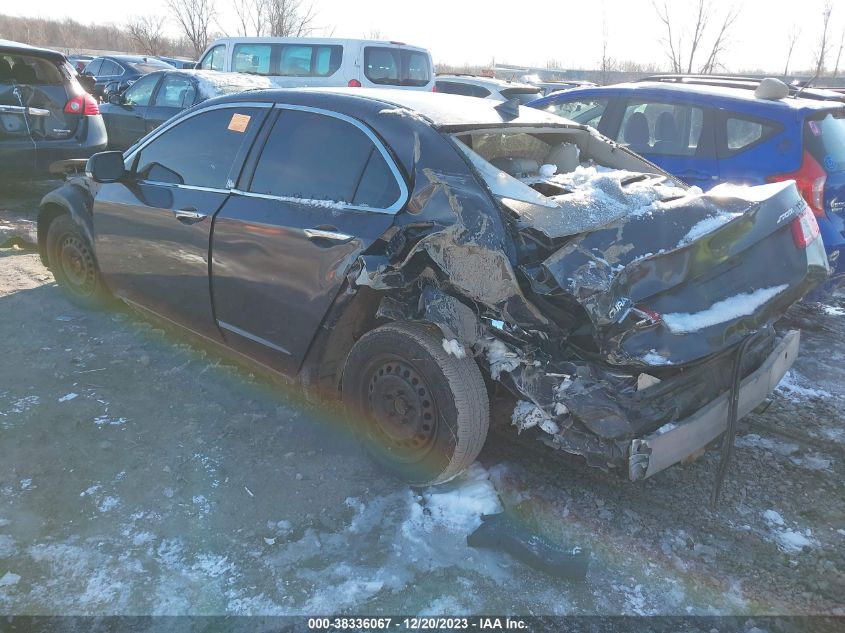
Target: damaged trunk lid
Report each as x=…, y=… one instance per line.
x=653, y=274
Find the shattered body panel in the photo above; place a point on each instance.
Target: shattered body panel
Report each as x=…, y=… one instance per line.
x=555, y=307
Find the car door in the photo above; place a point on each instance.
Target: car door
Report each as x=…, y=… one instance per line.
x=152, y=228
x=175, y=93
x=323, y=189
x=678, y=136
x=126, y=121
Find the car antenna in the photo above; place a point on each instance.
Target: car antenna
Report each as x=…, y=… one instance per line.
x=806, y=85
x=509, y=109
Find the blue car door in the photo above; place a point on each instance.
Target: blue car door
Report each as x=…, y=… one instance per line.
x=675, y=134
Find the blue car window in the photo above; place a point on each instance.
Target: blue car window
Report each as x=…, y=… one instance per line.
x=743, y=132
x=661, y=128
x=586, y=111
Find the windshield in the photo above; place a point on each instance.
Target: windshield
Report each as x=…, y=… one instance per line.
x=824, y=138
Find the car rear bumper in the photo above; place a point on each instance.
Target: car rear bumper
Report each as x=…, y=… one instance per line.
x=653, y=453
x=34, y=158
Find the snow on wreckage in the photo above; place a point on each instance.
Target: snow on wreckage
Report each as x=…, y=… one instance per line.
x=607, y=297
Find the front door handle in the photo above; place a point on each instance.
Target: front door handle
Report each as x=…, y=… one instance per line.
x=189, y=215
x=327, y=233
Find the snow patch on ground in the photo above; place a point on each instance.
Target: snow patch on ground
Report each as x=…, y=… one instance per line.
x=451, y=346
x=791, y=387
x=788, y=540
x=68, y=397
x=810, y=461
x=740, y=305
x=460, y=508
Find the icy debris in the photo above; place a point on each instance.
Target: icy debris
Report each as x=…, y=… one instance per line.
x=404, y=112
x=743, y=304
x=90, y=491
x=105, y=420
x=669, y=426
x=108, y=503
x=707, y=225
x=500, y=357
x=451, y=346
x=790, y=387
x=9, y=579
x=832, y=310
x=547, y=171
x=26, y=483
x=24, y=404
x=459, y=506
x=68, y=397
x=810, y=461
x=788, y=540
x=653, y=358
x=7, y=546
x=527, y=415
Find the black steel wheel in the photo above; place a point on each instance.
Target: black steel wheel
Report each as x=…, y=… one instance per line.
x=73, y=264
x=420, y=412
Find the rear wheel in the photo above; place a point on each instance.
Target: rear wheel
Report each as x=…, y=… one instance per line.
x=71, y=259
x=420, y=412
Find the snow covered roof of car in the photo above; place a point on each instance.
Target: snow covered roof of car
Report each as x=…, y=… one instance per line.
x=447, y=110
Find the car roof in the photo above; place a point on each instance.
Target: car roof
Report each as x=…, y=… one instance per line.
x=442, y=110
x=339, y=41
x=135, y=59
x=719, y=92
x=476, y=80
x=9, y=46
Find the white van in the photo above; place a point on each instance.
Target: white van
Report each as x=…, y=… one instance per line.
x=306, y=61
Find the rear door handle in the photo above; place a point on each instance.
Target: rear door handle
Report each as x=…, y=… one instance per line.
x=328, y=233
x=189, y=215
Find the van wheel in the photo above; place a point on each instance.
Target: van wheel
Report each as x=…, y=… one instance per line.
x=420, y=412
x=72, y=262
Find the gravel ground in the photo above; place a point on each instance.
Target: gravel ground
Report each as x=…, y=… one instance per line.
x=141, y=475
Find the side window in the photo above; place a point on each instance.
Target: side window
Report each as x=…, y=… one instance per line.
x=199, y=151
x=252, y=58
x=318, y=157
x=586, y=111
x=479, y=91
x=139, y=93
x=299, y=60
x=108, y=69
x=455, y=88
x=740, y=132
x=93, y=67
x=214, y=59
x=661, y=128
x=175, y=92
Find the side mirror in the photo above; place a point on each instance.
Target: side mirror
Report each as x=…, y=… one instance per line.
x=105, y=167
x=115, y=98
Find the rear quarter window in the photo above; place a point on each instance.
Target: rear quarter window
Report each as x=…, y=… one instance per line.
x=742, y=133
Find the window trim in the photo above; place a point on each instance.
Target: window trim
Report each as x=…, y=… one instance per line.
x=393, y=209
x=131, y=155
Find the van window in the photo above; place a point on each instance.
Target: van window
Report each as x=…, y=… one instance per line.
x=252, y=58
x=214, y=59
x=396, y=66
x=317, y=157
x=288, y=60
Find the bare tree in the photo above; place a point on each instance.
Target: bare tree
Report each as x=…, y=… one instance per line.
x=839, y=53
x=607, y=62
x=792, y=38
x=145, y=32
x=195, y=18
x=290, y=18
x=824, y=42
x=696, y=35
x=251, y=17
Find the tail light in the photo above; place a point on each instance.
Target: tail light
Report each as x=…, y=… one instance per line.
x=804, y=228
x=354, y=83
x=810, y=180
x=434, y=88
x=82, y=104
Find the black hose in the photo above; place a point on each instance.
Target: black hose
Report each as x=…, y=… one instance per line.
x=729, y=436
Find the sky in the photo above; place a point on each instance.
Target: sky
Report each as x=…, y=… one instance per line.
x=528, y=32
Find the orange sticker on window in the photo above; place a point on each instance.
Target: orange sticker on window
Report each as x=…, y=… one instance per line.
x=239, y=122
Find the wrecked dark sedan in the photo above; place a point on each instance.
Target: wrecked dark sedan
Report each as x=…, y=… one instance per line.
x=402, y=250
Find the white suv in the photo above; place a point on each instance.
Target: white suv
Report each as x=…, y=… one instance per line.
x=487, y=88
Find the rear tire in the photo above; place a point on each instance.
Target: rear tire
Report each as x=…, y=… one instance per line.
x=420, y=412
x=73, y=264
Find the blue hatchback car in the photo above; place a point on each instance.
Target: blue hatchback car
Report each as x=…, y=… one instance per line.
x=708, y=131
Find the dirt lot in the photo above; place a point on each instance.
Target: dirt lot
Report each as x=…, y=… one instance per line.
x=140, y=475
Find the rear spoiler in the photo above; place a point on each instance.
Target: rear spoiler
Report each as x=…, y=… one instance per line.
x=68, y=166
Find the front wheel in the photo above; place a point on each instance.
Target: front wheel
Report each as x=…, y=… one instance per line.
x=72, y=262
x=420, y=412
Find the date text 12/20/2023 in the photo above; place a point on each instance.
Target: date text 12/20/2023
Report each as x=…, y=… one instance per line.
x=415, y=623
